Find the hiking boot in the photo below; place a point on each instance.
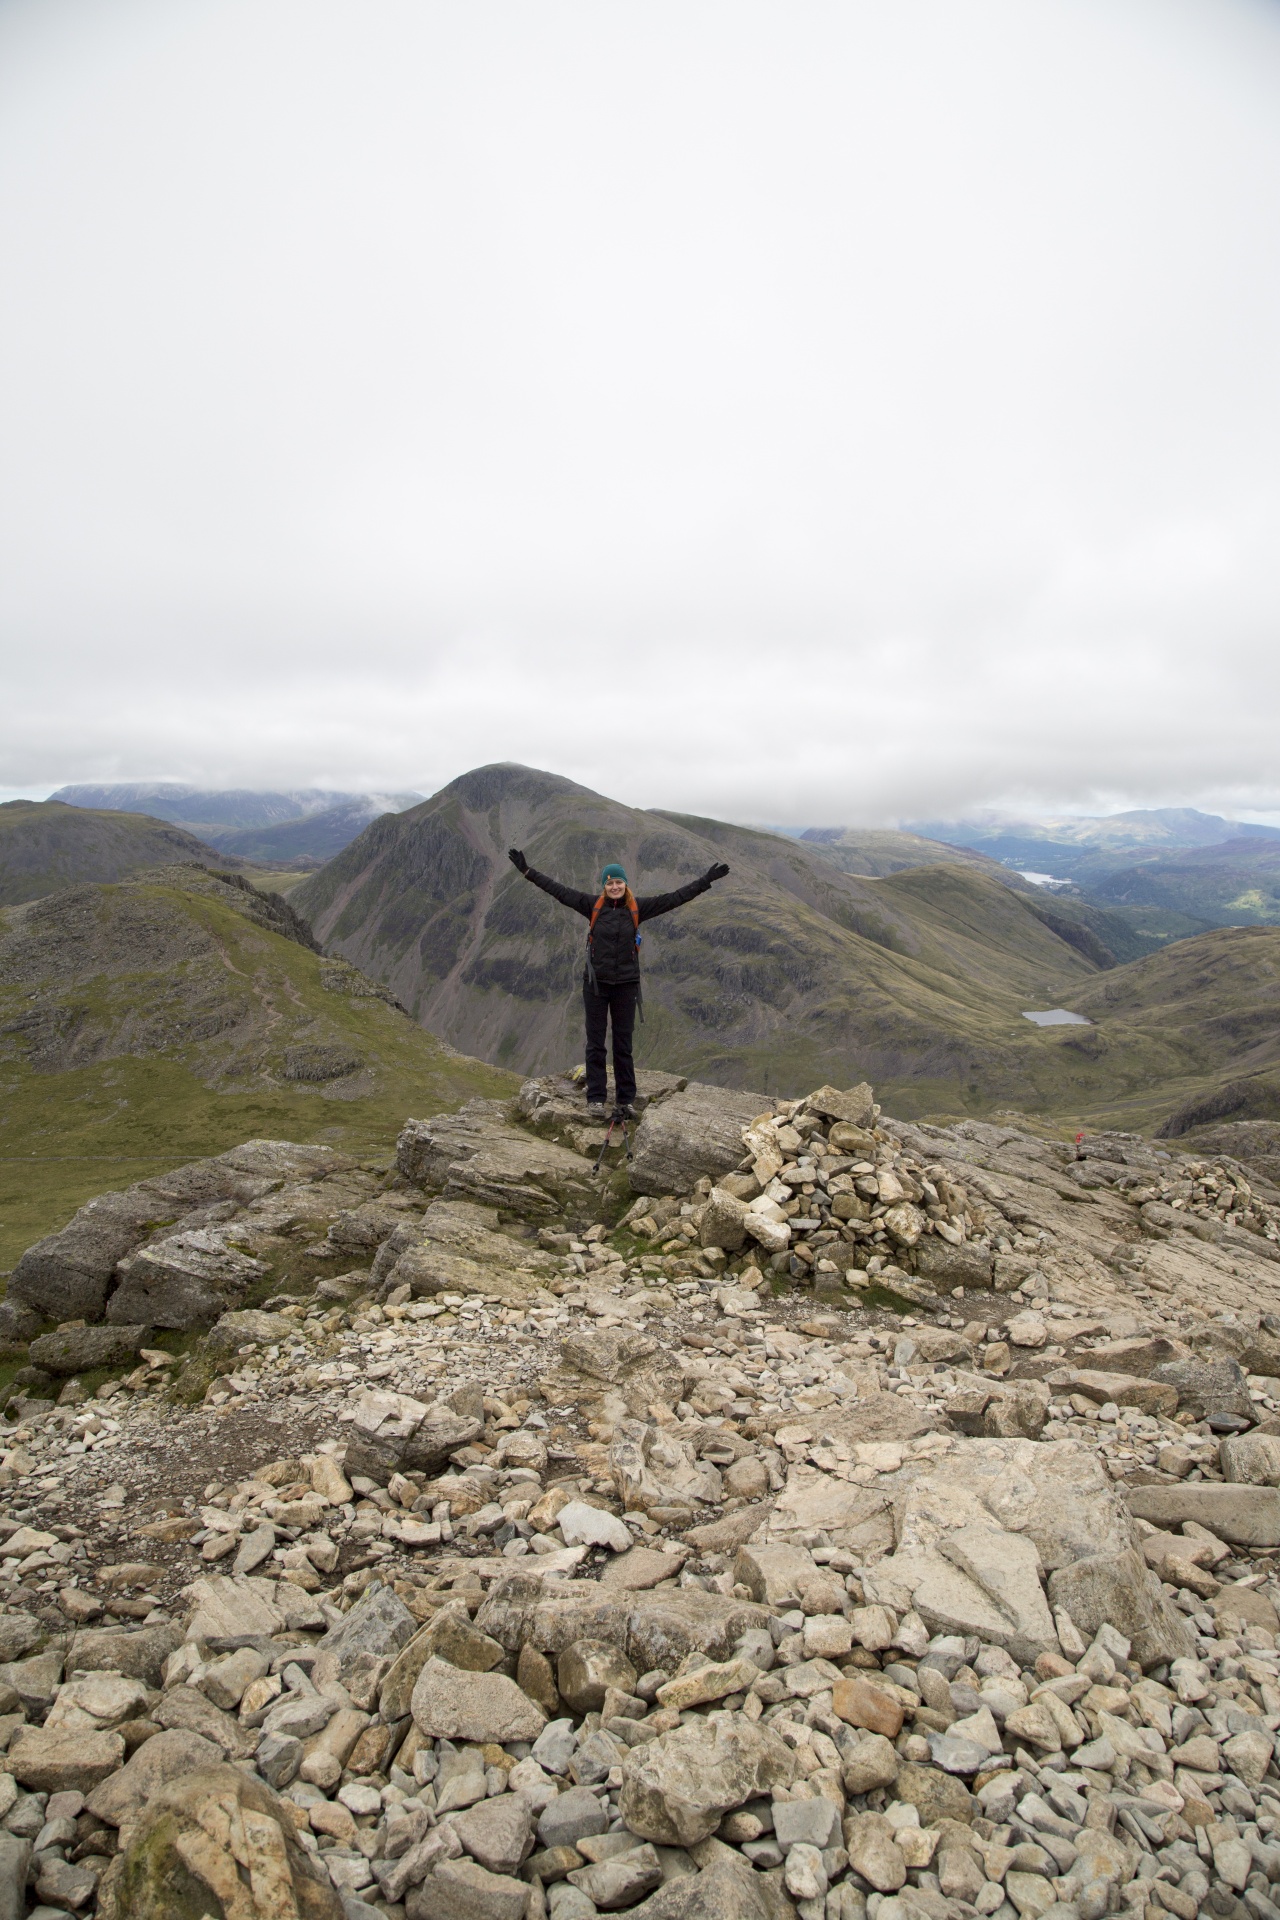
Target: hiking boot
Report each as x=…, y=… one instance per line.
x=596, y=1110
x=626, y=1113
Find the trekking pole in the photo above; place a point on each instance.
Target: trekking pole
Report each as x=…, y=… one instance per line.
x=605, y=1148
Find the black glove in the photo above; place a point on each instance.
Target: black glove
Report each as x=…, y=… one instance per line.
x=717, y=872
x=517, y=859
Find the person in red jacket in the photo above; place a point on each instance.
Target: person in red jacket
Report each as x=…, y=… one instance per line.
x=611, y=977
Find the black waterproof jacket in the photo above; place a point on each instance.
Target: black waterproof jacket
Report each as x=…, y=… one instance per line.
x=613, y=944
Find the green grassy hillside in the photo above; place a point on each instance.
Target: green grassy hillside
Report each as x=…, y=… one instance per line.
x=45, y=845
x=1233, y=885
x=175, y=1014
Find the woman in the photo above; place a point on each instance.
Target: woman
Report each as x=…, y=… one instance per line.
x=611, y=980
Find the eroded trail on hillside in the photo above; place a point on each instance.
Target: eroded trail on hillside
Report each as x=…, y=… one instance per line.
x=816, y=1514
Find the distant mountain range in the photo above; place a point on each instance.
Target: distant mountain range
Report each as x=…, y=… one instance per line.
x=829, y=956
x=1187, y=869
x=306, y=825
x=917, y=978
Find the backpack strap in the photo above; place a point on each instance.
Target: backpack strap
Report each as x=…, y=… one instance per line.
x=633, y=908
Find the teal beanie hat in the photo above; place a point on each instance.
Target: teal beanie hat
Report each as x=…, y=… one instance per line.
x=614, y=872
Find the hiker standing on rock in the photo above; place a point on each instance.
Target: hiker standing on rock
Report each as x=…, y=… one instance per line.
x=611, y=978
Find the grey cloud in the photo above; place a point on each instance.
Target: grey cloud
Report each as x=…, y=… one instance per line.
x=846, y=413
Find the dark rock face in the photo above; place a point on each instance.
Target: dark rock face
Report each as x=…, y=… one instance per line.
x=320, y=1063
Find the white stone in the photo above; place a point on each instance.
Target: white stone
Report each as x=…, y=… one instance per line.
x=586, y=1526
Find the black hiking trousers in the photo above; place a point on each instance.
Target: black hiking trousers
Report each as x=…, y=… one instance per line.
x=616, y=1001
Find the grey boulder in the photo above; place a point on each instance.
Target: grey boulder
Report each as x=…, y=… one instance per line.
x=377, y=1626
x=250, y=1326
x=621, y=1879
x=1120, y=1590
x=476, y=1154
x=945, y=1266
x=78, y=1349
x=163, y=1760
x=15, y=1858
x=1251, y=1459
x=451, y=1704
x=464, y=1890
x=18, y=1323
x=20, y=1633
x=139, y=1653
x=572, y=1816
x=188, y=1280
x=66, y=1275
x=497, y=1832
x=1212, y=1390
x=727, y=1889
x=677, y=1788
x=425, y=1450
x=696, y=1132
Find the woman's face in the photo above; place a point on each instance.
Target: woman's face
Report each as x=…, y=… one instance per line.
x=615, y=888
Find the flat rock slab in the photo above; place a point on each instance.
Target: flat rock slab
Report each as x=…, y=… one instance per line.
x=79, y=1349
x=690, y=1134
x=1246, y=1516
x=640, y=1569
x=1054, y=1491
x=857, y=1518
x=227, y=1605
x=875, y=1417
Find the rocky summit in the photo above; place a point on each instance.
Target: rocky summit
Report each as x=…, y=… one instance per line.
x=792, y=1512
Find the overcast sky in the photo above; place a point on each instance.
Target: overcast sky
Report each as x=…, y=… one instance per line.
x=824, y=410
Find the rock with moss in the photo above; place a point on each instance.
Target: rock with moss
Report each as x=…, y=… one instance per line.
x=217, y=1842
